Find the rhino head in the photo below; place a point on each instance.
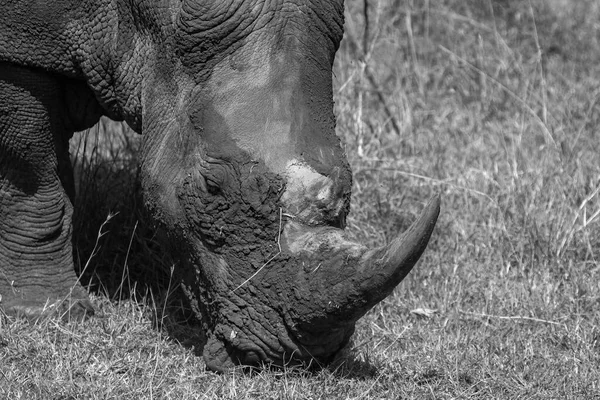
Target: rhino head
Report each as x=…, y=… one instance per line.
x=240, y=163
x=244, y=169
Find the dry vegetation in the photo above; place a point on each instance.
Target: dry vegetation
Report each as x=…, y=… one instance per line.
x=493, y=104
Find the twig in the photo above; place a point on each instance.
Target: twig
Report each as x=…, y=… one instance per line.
x=432, y=180
x=270, y=259
x=411, y=45
x=371, y=79
x=366, y=30
x=382, y=99
x=125, y=265
x=510, y=317
x=96, y=248
x=541, y=64
x=586, y=221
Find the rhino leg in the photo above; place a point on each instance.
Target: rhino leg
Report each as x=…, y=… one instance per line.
x=36, y=260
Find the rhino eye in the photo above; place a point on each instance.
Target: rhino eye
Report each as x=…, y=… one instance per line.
x=215, y=178
x=213, y=187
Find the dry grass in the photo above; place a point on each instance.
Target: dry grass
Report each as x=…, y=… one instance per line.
x=491, y=103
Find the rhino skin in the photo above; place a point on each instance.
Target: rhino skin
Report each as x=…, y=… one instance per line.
x=240, y=165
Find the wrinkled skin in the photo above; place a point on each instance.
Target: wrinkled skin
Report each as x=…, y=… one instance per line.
x=240, y=165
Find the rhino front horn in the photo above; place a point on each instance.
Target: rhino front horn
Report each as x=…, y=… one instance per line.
x=381, y=270
x=341, y=280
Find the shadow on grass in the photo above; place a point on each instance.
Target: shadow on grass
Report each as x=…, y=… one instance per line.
x=348, y=367
x=118, y=251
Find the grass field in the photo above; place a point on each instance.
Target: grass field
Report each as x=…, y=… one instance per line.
x=492, y=104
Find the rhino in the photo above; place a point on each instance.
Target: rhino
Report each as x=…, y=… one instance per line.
x=240, y=164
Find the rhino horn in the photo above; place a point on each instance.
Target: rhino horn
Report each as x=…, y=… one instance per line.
x=342, y=280
x=381, y=270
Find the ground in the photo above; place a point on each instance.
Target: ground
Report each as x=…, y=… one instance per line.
x=494, y=105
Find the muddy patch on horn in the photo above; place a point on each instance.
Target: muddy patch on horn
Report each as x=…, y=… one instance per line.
x=312, y=198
